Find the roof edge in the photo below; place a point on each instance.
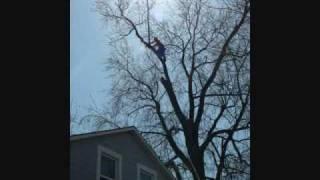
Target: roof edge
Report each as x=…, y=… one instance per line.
x=101, y=133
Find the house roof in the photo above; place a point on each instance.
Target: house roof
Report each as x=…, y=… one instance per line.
x=131, y=129
x=102, y=133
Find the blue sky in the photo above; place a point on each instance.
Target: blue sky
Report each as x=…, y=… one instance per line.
x=89, y=82
x=88, y=51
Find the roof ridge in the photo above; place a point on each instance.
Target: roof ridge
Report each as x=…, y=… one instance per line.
x=103, y=131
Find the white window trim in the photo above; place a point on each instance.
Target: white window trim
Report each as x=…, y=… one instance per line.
x=117, y=156
x=147, y=169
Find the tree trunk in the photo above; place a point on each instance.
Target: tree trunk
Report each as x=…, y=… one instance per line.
x=196, y=155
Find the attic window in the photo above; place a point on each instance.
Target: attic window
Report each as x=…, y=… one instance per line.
x=107, y=168
x=145, y=173
x=109, y=164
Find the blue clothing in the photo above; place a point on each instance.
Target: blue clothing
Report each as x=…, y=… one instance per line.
x=161, y=51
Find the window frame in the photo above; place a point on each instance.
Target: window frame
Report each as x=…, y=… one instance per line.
x=113, y=155
x=147, y=169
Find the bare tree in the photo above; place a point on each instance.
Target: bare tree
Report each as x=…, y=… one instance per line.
x=192, y=105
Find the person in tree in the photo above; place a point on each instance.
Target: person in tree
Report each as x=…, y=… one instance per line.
x=159, y=47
